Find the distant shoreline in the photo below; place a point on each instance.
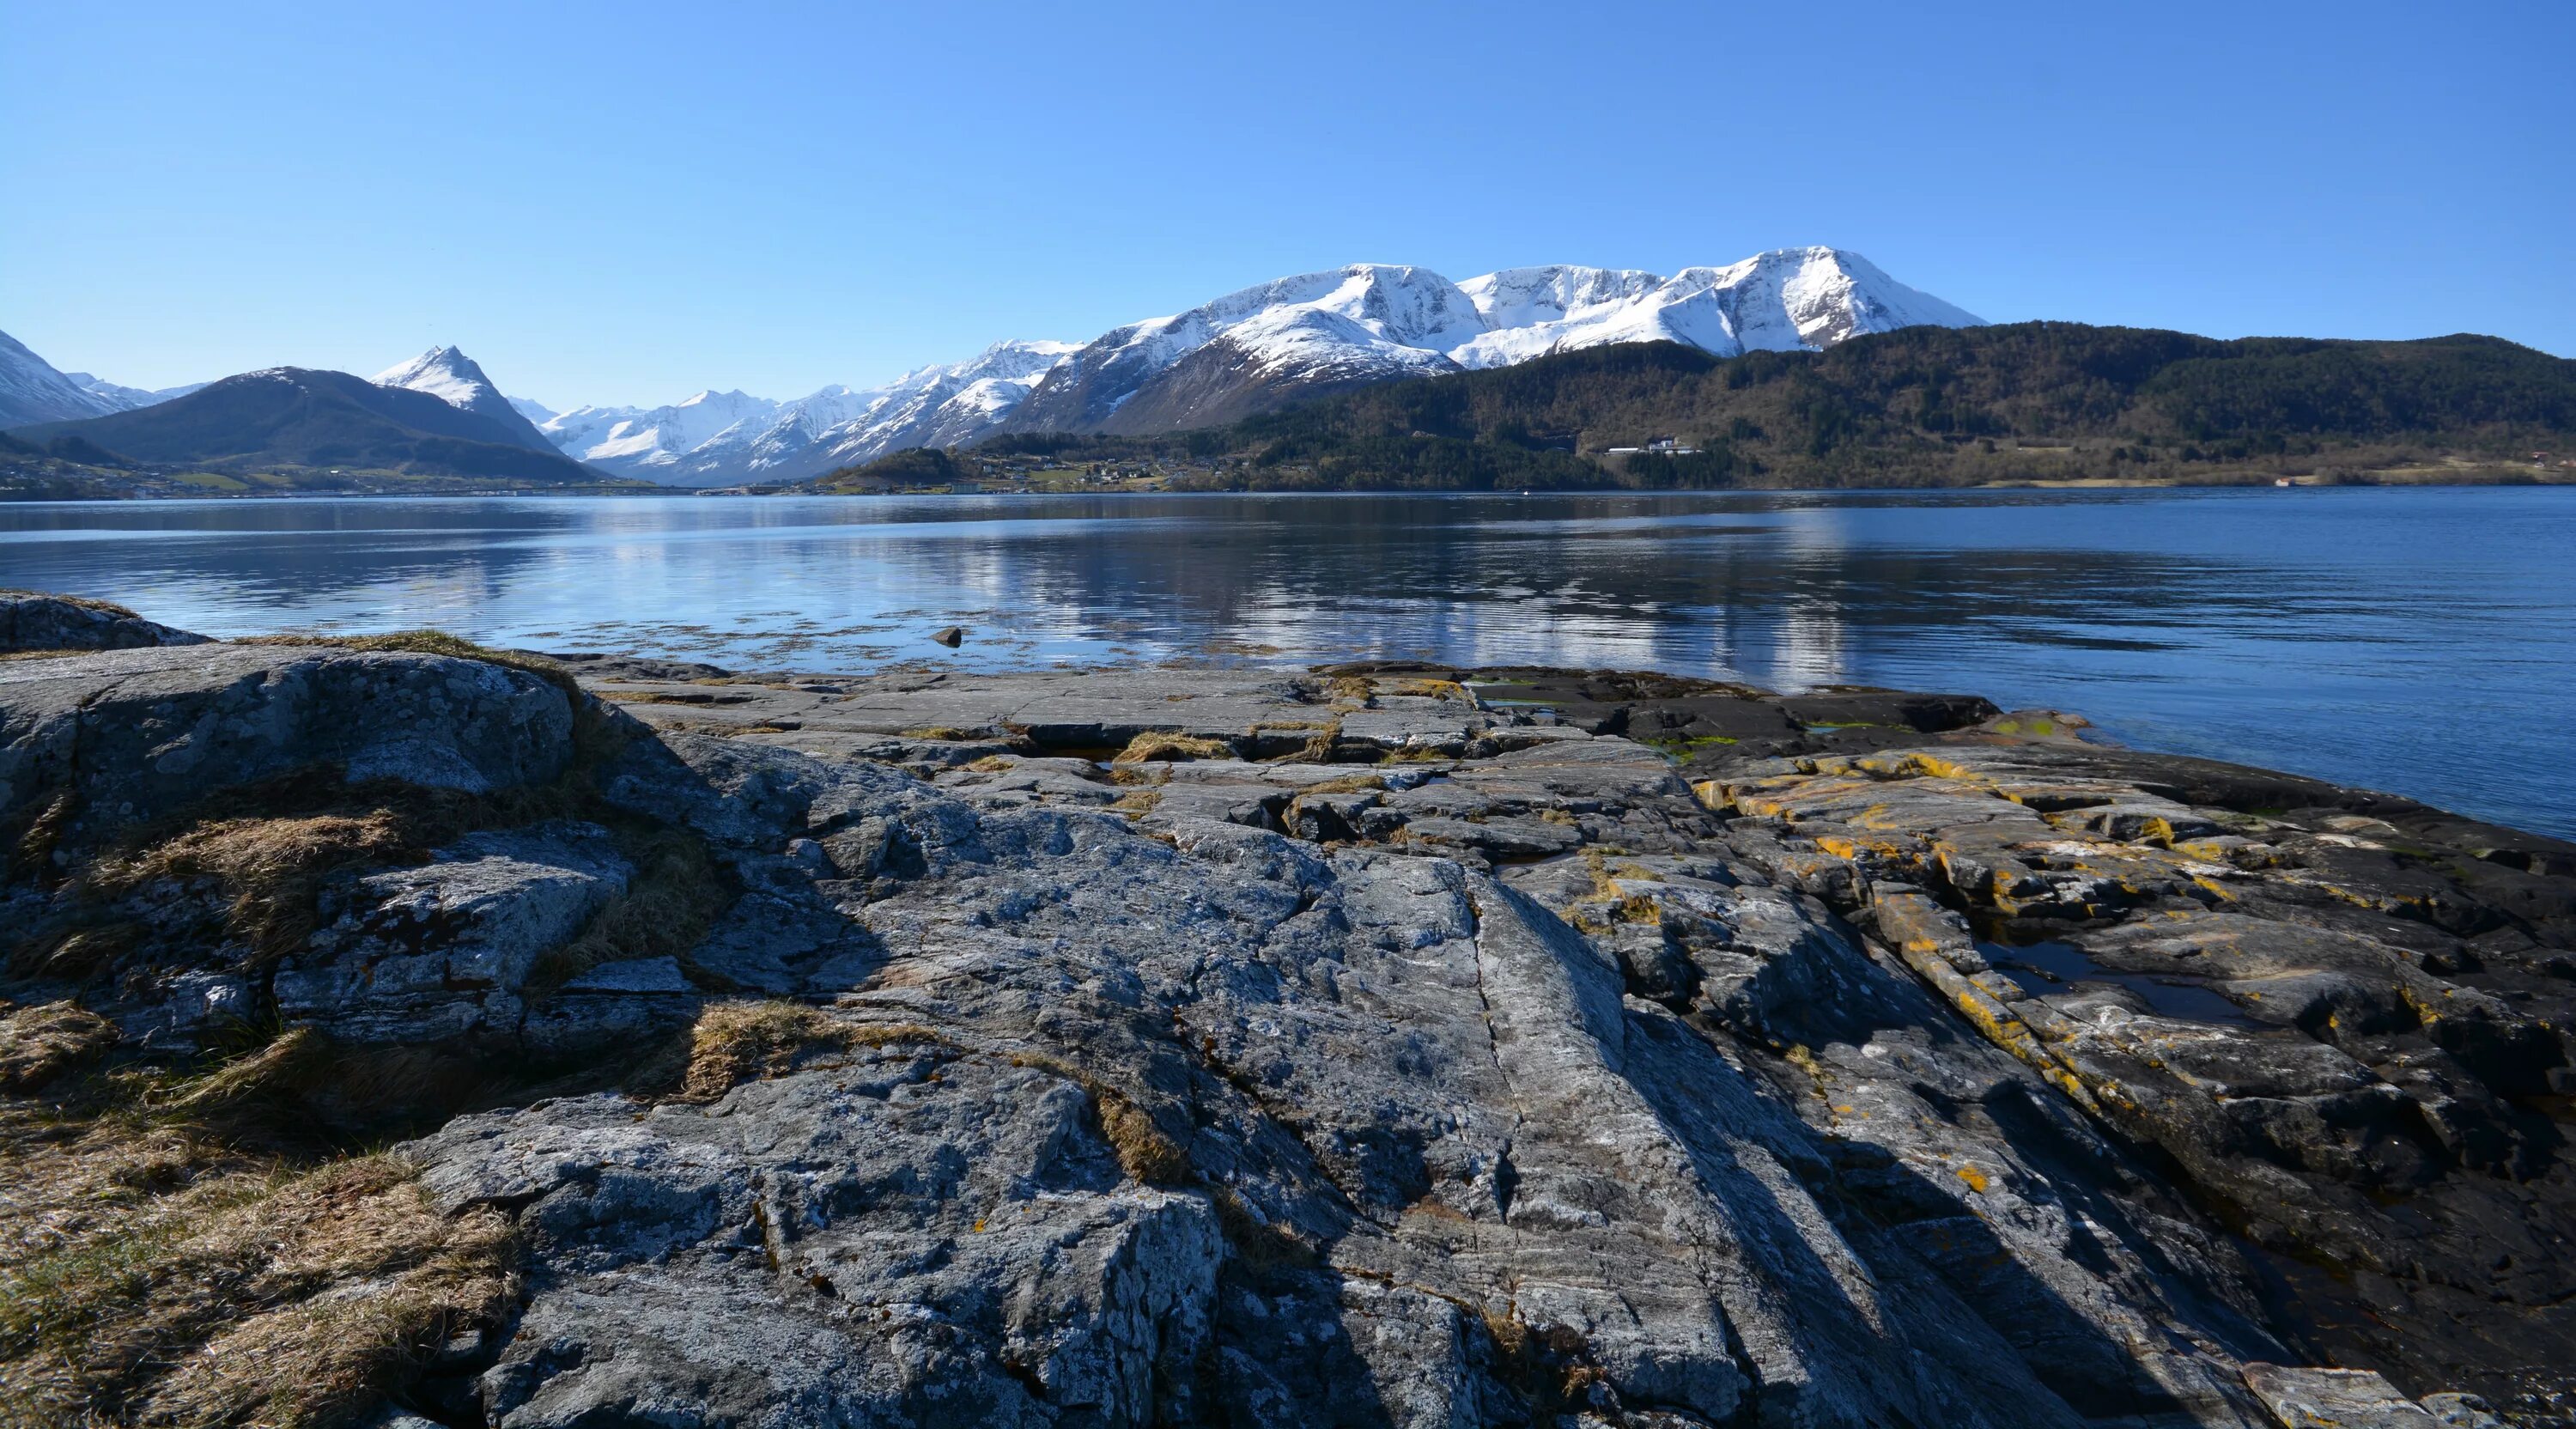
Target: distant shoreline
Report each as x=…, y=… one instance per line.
x=2488, y=477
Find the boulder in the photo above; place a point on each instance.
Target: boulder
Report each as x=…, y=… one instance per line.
x=127, y=736
x=30, y=620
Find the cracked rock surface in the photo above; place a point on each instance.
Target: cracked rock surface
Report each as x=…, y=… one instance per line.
x=1404, y=1046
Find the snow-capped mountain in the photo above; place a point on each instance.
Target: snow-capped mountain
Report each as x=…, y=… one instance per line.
x=454, y=378
x=933, y=407
x=31, y=390
x=720, y=438
x=128, y=399
x=652, y=442
x=1325, y=332
x=1304, y=335
x=1250, y=351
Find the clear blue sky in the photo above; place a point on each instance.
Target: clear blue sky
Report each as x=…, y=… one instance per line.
x=624, y=203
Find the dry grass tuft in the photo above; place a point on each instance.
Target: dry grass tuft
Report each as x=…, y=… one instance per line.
x=1425, y=688
x=945, y=732
x=1318, y=748
x=1143, y=1151
x=1357, y=689
x=1258, y=1243
x=9, y=655
x=1637, y=908
x=735, y=1042
x=272, y=869
x=675, y=895
x=436, y=642
x=33, y=848
x=285, y=1062
x=38, y=1044
x=1136, y=803
x=1164, y=745
x=251, y=1296
x=104, y=607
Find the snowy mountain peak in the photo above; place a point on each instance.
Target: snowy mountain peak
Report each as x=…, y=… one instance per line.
x=454, y=378
x=444, y=373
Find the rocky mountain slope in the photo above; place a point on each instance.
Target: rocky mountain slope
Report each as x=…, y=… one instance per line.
x=453, y=378
x=1368, y=1046
x=32, y=391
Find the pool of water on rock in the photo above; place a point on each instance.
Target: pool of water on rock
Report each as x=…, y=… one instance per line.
x=2044, y=968
x=2415, y=640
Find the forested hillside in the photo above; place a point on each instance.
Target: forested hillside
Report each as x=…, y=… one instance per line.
x=1921, y=406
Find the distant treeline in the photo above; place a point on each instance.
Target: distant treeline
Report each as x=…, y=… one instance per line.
x=1923, y=406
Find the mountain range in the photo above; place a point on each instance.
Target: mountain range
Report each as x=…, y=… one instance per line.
x=323, y=422
x=1253, y=350
x=1247, y=352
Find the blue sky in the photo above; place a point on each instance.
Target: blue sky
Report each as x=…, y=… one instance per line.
x=625, y=203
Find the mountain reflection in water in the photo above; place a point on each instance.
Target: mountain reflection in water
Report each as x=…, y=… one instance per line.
x=2414, y=639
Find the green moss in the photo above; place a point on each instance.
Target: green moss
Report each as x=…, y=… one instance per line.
x=1677, y=747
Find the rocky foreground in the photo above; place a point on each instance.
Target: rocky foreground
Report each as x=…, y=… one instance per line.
x=403, y=1033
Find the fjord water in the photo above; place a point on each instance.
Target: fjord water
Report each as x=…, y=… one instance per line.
x=2420, y=640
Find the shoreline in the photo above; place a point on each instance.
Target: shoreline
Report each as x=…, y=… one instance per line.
x=1228, y=996
x=2449, y=472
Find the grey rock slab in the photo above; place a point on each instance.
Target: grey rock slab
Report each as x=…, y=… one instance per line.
x=911, y=1237
x=33, y=621
x=2317, y=1398
x=131, y=735
x=445, y=949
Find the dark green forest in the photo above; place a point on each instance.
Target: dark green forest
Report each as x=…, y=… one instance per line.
x=1922, y=406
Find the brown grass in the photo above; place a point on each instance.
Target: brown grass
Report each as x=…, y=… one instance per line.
x=1434, y=689
x=252, y=1296
x=1318, y=748
x=1143, y=1151
x=675, y=895
x=104, y=607
x=1637, y=908
x=33, y=849
x=38, y=1044
x=1356, y=688
x=1163, y=745
x=436, y=642
x=1136, y=803
x=271, y=869
x=76, y=954
x=9, y=655
x=736, y=1042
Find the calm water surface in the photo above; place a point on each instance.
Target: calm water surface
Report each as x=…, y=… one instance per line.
x=2419, y=640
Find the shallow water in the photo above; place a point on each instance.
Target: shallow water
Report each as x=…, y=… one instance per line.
x=2050, y=967
x=2414, y=639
